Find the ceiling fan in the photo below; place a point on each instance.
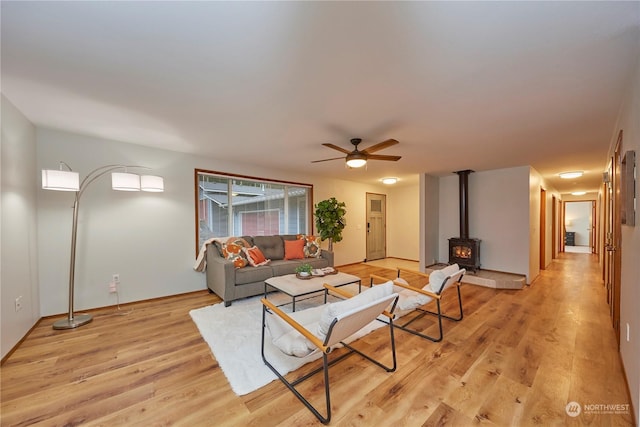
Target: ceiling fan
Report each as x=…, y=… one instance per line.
x=358, y=158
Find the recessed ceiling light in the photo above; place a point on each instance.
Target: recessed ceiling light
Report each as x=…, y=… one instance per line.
x=569, y=175
x=389, y=180
x=579, y=193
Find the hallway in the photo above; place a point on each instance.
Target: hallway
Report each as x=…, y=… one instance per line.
x=584, y=364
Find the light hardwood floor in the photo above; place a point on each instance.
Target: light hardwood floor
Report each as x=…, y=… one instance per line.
x=517, y=358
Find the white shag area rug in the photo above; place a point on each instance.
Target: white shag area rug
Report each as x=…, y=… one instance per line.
x=234, y=333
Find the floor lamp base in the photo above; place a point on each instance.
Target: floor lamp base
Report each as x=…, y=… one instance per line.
x=78, y=320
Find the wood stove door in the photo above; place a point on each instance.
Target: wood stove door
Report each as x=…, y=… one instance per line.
x=376, y=226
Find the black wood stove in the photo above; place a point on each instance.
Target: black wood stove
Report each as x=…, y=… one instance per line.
x=463, y=250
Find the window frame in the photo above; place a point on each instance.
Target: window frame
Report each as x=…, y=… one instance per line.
x=231, y=176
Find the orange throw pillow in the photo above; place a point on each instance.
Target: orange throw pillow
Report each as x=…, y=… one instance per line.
x=255, y=256
x=294, y=249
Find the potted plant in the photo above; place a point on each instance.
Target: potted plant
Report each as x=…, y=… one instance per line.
x=304, y=269
x=330, y=220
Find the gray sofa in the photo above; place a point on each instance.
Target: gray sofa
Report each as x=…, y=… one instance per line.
x=231, y=283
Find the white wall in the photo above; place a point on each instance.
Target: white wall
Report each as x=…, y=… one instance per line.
x=429, y=220
x=149, y=238
x=403, y=216
x=578, y=219
x=498, y=215
x=353, y=247
x=630, y=289
x=18, y=254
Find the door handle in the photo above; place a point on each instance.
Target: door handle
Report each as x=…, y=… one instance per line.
x=610, y=248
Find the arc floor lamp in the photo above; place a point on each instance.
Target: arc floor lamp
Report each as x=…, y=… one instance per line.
x=68, y=180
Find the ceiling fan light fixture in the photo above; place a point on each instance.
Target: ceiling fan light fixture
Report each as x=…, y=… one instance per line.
x=571, y=175
x=356, y=160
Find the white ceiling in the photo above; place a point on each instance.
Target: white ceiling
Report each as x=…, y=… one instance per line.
x=461, y=85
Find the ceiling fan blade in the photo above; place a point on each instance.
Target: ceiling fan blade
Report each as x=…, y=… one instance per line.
x=379, y=146
x=335, y=147
x=326, y=160
x=383, y=157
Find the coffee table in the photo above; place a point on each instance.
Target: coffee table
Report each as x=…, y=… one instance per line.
x=296, y=288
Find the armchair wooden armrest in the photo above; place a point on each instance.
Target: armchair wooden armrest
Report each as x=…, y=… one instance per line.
x=375, y=276
x=297, y=326
x=405, y=286
x=338, y=291
x=418, y=273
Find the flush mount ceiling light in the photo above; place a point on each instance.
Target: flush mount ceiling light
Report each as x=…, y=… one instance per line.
x=570, y=175
x=390, y=180
x=579, y=193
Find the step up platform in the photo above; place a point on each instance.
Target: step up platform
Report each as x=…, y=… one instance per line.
x=487, y=278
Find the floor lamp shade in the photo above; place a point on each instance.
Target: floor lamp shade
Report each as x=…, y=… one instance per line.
x=123, y=181
x=60, y=180
x=152, y=183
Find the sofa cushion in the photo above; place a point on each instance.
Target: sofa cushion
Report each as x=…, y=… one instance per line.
x=253, y=274
x=316, y=262
x=294, y=249
x=271, y=246
x=281, y=267
x=255, y=256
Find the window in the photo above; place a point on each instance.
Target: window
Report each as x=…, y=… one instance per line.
x=229, y=205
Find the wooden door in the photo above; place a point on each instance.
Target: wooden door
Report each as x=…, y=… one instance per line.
x=617, y=238
x=613, y=256
x=543, y=229
x=554, y=228
x=592, y=225
x=376, y=226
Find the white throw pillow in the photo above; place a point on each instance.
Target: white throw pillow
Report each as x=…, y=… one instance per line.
x=410, y=300
x=288, y=339
x=331, y=311
x=450, y=269
x=435, y=280
x=399, y=289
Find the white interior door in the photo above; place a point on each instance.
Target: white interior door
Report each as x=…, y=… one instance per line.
x=376, y=226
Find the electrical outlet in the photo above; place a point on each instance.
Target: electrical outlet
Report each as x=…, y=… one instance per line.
x=116, y=279
x=113, y=288
x=19, y=303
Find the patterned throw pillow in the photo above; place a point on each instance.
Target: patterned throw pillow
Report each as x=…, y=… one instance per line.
x=312, y=246
x=232, y=251
x=255, y=256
